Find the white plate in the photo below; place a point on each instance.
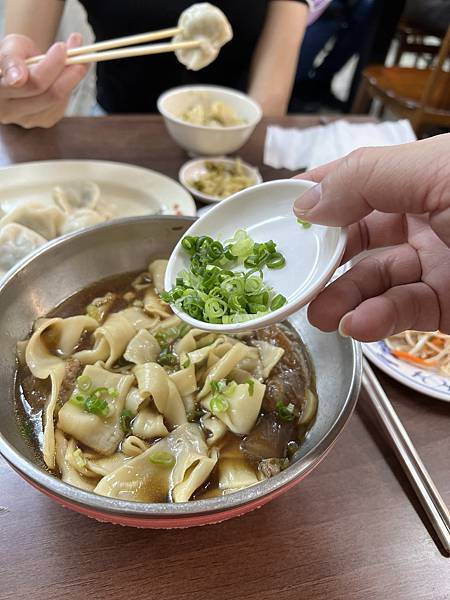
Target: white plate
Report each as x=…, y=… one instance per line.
x=422, y=380
x=130, y=190
x=193, y=169
x=426, y=381
x=266, y=212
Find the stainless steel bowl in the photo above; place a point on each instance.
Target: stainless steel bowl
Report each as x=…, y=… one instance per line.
x=73, y=262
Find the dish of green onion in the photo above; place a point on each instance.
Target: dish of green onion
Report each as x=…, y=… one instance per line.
x=224, y=283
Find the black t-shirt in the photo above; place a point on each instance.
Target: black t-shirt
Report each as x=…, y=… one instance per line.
x=133, y=85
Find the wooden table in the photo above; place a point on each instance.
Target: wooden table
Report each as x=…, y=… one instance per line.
x=352, y=530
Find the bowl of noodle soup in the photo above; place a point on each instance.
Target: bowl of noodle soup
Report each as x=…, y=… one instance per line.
x=114, y=408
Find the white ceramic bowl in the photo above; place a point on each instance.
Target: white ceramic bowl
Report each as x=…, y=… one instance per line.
x=266, y=212
x=202, y=139
x=193, y=169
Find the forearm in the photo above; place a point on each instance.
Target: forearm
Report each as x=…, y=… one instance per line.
x=275, y=59
x=37, y=19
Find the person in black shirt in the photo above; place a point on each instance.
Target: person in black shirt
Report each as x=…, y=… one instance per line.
x=261, y=59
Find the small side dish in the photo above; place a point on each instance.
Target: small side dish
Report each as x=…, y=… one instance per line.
x=429, y=350
x=222, y=179
x=225, y=282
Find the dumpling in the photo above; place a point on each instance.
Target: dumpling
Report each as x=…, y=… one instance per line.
x=207, y=24
x=76, y=196
x=16, y=242
x=187, y=464
x=81, y=219
x=43, y=219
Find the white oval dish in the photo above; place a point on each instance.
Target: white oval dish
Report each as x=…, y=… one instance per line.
x=265, y=212
x=196, y=167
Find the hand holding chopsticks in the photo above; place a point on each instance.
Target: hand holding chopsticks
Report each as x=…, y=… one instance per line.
x=125, y=47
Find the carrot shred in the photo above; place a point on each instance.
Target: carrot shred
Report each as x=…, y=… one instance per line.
x=415, y=359
x=439, y=342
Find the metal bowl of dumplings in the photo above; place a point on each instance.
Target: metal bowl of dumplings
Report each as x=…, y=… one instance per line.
x=69, y=264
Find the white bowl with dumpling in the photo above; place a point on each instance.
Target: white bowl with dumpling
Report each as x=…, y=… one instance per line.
x=209, y=120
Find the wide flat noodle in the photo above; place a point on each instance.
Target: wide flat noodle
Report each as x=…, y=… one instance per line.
x=142, y=480
x=63, y=336
x=244, y=404
x=101, y=433
x=153, y=381
x=111, y=339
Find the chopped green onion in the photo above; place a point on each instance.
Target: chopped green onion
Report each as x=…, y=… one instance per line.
x=194, y=415
x=187, y=363
x=126, y=417
x=218, y=404
x=113, y=392
x=77, y=400
x=278, y=302
x=99, y=392
x=214, y=308
x=161, y=458
x=230, y=389
x=304, y=224
x=84, y=383
x=285, y=412
x=251, y=386
x=276, y=261
x=188, y=244
x=96, y=406
x=210, y=292
x=183, y=329
x=217, y=387
x=168, y=359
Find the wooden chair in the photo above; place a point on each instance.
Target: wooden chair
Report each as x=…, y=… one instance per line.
x=420, y=95
x=413, y=40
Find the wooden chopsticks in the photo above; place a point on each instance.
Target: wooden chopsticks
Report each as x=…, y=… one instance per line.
x=119, y=48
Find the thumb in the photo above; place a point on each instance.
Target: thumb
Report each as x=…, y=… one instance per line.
x=410, y=178
x=14, y=50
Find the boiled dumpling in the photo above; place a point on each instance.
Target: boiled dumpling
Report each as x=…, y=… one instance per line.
x=44, y=219
x=16, y=242
x=80, y=219
x=78, y=195
x=207, y=24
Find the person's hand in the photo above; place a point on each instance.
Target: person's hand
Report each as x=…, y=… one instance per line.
x=36, y=95
x=395, y=196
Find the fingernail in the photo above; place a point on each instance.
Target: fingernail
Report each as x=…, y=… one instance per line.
x=308, y=200
x=344, y=324
x=12, y=75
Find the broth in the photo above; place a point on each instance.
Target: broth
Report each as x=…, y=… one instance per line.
x=240, y=456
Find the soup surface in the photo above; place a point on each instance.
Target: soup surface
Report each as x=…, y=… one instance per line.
x=121, y=398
